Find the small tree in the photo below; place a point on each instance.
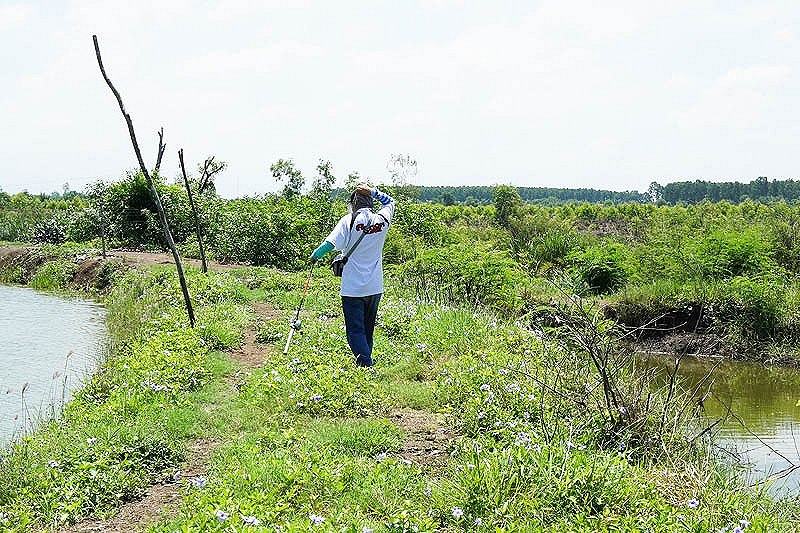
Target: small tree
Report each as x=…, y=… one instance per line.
x=208, y=171
x=284, y=171
x=507, y=202
x=655, y=192
x=323, y=183
x=352, y=181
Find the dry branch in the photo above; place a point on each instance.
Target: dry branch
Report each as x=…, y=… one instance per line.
x=161, y=148
x=194, y=213
x=153, y=192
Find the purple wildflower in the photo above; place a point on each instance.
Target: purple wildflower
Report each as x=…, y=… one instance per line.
x=250, y=521
x=222, y=515
x=316, y=519
x=523, y=439
x=693, y=503
x=458, y=512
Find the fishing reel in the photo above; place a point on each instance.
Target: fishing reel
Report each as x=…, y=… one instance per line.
x=297, y=325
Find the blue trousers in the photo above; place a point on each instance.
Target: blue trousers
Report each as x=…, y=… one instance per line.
x=359, y=320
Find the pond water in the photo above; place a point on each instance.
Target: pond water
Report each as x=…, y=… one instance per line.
x=759, y=409
x=48, y=345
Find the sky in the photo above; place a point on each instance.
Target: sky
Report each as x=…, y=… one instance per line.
x=561, y=93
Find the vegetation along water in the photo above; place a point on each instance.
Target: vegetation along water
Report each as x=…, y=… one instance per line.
x=506, y=395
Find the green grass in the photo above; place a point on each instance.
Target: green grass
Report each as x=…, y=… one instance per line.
x=309, y=435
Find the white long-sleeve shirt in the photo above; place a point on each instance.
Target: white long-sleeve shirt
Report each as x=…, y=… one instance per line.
x=363, y=273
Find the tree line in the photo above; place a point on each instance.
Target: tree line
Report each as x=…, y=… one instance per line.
x=760, y=189
x=483, y=195
x=289, y=176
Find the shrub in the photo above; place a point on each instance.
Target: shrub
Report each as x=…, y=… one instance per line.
x=420, y=221
x=728, y=253
x=53, y=275
x=269, y=232
x=83, y=226
x=50, y=231
x=753, y=306
x=465, y=275
x=603, y=268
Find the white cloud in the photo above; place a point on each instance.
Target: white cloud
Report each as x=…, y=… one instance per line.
x=552, y=92
x=13, y=16
x=245, y=62
x=739, y=98
x=595, y=20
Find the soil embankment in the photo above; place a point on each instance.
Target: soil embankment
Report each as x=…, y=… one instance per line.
x=20, y=263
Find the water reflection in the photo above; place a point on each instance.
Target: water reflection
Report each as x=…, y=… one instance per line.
x=758, y=405
x=49, y=343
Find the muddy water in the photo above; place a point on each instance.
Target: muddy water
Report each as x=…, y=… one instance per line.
x=759, y=409
x=49, y=343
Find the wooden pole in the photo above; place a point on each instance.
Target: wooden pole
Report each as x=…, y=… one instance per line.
x=153, y=192
x=194, y=213
x=102, y=226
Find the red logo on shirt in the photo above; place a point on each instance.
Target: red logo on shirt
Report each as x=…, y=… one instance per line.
x=375, y=228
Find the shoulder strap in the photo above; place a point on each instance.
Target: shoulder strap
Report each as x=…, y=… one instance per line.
x=358, y=241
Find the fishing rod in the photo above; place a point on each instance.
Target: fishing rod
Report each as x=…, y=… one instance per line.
x=296, y=322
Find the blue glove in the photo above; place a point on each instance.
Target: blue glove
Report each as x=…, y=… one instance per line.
x=382, y=197
x=321, y=250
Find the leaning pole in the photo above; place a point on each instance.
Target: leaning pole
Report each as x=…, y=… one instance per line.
x=153, y=192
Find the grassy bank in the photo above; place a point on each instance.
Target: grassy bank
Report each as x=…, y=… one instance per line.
x=128, y=427
x=309, y=442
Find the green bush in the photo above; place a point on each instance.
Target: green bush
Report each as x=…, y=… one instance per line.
x=83, y=226
x=270, y=232
x=754, y=306
x=602, y=268
x=50, y=231
x=723, y=254
x=53, y=275
x=552, y=247
x=420, y=221
x=465, y=275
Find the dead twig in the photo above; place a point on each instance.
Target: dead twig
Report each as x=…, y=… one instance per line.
x=161, y=148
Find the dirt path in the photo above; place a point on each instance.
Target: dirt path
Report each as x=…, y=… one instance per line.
x=158, y=258
x=163, y=499
x=427, y=438
x=160, y=499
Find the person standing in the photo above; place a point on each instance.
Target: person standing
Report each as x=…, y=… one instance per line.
x=362, y=277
